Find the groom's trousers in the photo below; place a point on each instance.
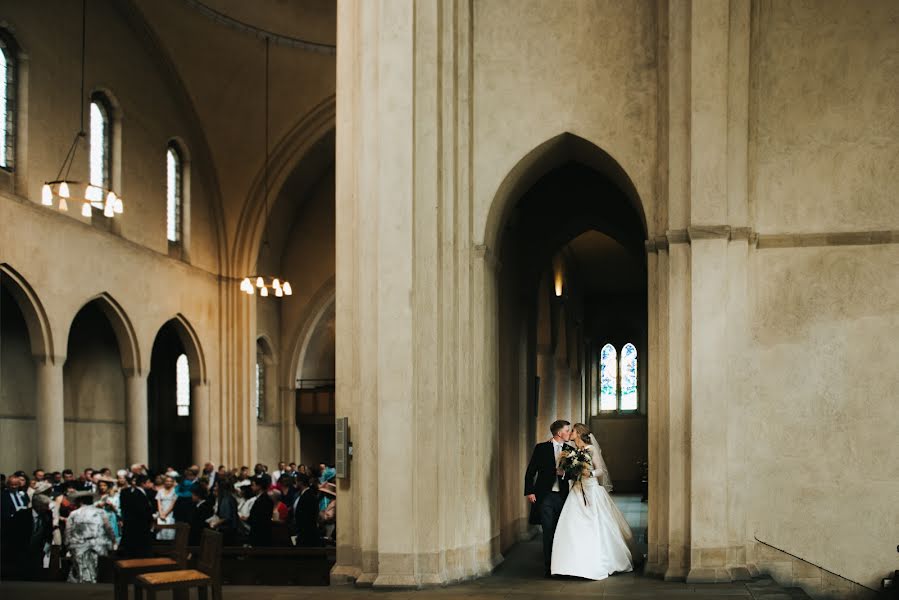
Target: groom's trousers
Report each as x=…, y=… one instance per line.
x=550, y=509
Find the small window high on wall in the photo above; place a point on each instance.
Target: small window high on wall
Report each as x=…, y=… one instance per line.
x=174, y=186
x=8, y=57
x=260, y=386
x=628, y=377
x=182, y=385
x=100, y=141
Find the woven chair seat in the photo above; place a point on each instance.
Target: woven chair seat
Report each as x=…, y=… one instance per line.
x=169, y=577
x=144, y=563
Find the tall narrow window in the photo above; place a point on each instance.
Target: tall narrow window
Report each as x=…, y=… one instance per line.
x=182, y=386
x=629, y=377
x=100, y=145
x=260, y=386
x=7, y=101
x=173, y=193
x=608, y=378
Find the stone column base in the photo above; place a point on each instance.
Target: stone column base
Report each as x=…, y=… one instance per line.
x=709, y=575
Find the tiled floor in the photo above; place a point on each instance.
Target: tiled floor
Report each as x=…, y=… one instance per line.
x=518, y=578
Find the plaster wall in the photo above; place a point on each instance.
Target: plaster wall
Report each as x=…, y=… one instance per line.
x=584, y=67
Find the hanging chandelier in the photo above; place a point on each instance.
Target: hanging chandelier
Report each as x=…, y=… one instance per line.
x=266, y=284
x=64, y=190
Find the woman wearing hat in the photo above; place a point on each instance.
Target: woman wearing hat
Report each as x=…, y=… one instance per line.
x=109, y=501
x=88, y=537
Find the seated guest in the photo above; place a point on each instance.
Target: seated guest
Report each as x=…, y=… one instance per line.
x=304, y=515
x=88, y=537
x=203, y=510
x=260, y=518
x=137, y=519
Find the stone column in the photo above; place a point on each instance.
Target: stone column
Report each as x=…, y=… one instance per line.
x=50, y=414
x=199, y=400
x=138, y=444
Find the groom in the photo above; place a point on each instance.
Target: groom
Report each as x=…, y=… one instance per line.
x=544, y=487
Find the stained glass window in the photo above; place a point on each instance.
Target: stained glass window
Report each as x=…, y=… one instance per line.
x=7, y=100
x=629, y=377
x=99, y=143
x=260, y=386
x=173, y=194
x=182, y=385
x=608, y=378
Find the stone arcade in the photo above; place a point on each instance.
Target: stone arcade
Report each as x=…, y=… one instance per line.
x=472, y=198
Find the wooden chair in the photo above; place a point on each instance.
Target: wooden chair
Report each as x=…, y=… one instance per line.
x=208, y=574
x=126, y=570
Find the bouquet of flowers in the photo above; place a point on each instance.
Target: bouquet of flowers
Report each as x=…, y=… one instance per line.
x=575, y=464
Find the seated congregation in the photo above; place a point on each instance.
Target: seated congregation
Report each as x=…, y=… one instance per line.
x=59, y=526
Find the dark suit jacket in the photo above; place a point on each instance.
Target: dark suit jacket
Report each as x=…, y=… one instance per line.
x=201, y=512
x=29, y=543
x=541, y=475
x=304, y=520
x=137, y=519
x=7, y=506
x=260, y=521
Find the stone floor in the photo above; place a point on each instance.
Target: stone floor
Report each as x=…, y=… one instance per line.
x=520, y=577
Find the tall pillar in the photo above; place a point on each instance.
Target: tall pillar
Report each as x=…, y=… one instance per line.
x=136, y=414
x=50, y=417
x=199, y=400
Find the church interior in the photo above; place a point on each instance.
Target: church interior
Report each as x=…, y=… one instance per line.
x=226, y=226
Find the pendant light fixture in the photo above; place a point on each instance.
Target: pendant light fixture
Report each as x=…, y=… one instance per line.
x=64, y=190
x=267, y=285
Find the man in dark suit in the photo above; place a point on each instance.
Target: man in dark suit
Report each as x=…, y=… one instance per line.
x=303, y=516
x=202, y=512
x=137, y=519
x=546, y=488
x=260, y=519
x=32, y=530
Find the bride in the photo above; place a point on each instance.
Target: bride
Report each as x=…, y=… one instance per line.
x=593, y=539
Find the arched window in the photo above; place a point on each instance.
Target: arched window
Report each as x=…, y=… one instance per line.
x=182, y=385
x=608, y=378
x=628, y=377
x=8, y=63
x=260, y=386
x=174, y=178
x=100, y=141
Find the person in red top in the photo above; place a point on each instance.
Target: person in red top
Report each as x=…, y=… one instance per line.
x=280, y=512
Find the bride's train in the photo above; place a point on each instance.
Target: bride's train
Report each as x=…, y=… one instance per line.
x=593, y=539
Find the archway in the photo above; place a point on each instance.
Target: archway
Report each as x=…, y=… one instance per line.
x=315, y=383
x=177, y=397
x=18, y=383
x=102, y=351
x=569, y=233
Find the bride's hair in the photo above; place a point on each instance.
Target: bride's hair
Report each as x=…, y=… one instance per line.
x=583, y=432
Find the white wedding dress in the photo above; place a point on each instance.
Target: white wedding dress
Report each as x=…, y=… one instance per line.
x=593, y=539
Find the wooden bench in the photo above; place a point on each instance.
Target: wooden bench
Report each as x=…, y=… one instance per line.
x=207, y=575
x=127, y=570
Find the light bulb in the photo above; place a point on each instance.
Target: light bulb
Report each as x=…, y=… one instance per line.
x=64, y=190
x=263, y=292
x=278, y=292
x=244, y=284
x=119, y=206
x=93, y=193
x=86, y=209
x=260, y=283
x=108, y=211
x=286, y=287
x=46, y=195
x=63, y=205
x=276, y=283
x=110, y=200
x=251, y=291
